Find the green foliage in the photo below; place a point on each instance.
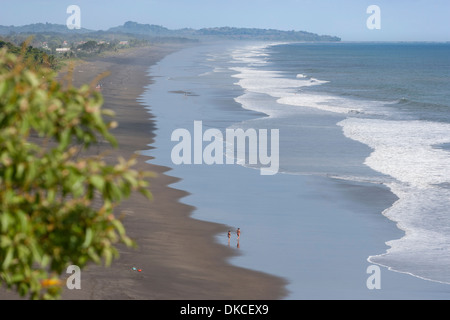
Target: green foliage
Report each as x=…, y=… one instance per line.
x=33, y=55
x=89, y=46
x=56, y=207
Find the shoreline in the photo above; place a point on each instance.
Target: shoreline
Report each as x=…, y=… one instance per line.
x=178, y=255
x=325, y=228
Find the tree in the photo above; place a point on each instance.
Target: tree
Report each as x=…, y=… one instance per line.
x=48, y=218
x=89, y=46
x=37, y=56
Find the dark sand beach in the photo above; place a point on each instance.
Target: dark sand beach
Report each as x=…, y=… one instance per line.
x=178, y=255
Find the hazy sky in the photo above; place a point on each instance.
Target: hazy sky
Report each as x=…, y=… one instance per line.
x=401, y=20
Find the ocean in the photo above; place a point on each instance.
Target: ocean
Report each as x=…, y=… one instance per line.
x=363, y=176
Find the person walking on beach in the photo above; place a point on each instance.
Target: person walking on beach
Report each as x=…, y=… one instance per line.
x=229, y=234
x=238, y=232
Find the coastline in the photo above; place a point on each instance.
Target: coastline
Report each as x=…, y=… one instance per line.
x=333, y=224
x=316, y=231
x=178, y=255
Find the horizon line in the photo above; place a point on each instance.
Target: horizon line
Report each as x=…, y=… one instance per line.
x=342, y=40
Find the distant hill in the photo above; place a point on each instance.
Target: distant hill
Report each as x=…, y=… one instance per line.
x=40, y=28
x=222, y=33
x=143, y=29
x=264, y=34
x=155, y=31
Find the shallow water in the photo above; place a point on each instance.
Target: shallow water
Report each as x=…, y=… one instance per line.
x=317, y=221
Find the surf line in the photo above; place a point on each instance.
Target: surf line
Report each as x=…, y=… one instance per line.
x=221, y=151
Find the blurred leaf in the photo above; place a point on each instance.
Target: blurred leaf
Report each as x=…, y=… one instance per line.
x=98, y=182
x=8, y=258
x=88, y=239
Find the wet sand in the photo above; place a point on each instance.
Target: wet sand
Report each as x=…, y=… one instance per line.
x=178, y=255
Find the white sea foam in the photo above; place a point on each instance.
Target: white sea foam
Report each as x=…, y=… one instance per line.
x=204, y=74
x=321, y=102
x=219, y=69
x=288, y=91
x=252, y=55
x=272, y=83
x=404, y=150
x=276, y=85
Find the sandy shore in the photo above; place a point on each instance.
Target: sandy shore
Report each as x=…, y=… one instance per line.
x=178, y=255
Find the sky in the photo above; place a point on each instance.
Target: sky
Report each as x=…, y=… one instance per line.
x=400, y=20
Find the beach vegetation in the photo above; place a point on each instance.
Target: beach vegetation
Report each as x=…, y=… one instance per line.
x=58, y=198
x=33, y=55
